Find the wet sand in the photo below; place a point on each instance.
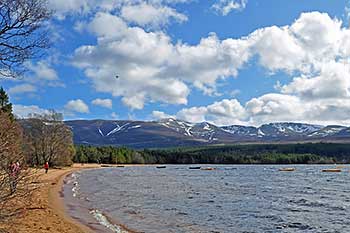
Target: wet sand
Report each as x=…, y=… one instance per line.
x=46, y=211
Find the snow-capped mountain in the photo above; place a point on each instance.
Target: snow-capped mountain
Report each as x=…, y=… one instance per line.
x=172, y=132
x=177, y=125
x=329, y=130
x=281, y=129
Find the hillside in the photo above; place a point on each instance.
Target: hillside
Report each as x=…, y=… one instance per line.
x=176, y=133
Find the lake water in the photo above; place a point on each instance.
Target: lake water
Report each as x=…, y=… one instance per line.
x=229, y=199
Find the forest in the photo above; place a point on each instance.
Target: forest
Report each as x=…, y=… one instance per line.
x=301, y=153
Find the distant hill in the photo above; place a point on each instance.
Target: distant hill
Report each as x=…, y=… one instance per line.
x=174, y=133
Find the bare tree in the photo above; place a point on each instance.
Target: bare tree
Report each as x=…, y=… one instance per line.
x=48, y=140
x=13, y=183
x=22, y=33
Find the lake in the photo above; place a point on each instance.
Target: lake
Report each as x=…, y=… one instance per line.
x=237, y=198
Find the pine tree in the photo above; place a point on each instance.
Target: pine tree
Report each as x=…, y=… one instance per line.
x=5, y=104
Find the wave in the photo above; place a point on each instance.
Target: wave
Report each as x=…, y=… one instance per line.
x=73, y=179
x=103, y=220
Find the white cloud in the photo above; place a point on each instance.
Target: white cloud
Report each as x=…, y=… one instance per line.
x=42, y=70
x=234, y=93
x=107, y=27
x=333, y=81
x=142, y=12
x=39, y=74
x=194, y=114
x=223, y=112
x=42, y=73
x=21, y=89
x=23, y=111
x=106, y=103
x=314, y=51
x=317, y=33
x=224, y=7
x=272, y=108
x=278, y=49
x=145, y=14
x=76, y=106
x=137, y=57
x=62, y=8
x=158, y=115
x=150, y=67
x=269, y=108
x=114, y=115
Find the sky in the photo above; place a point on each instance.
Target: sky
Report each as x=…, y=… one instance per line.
x=246, y=62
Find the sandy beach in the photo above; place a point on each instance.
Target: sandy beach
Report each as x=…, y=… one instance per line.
x=46, y=212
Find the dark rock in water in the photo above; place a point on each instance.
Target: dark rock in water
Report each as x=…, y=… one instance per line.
x=130, y=212
x=295, y=225
x=182, y=213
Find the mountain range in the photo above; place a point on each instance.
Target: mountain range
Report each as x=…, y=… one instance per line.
x=174, y=133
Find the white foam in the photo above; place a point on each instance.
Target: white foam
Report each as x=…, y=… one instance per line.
x=104, y=222
x=76, y=187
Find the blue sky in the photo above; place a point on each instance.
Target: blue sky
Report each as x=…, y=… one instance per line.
x=223, y=61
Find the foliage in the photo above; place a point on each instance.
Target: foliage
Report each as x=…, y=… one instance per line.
x=106, y=154
x=5, y=105
x=313, y=153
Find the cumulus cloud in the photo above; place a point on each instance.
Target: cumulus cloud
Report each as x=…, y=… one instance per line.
x=142, y=12
x=269, y=108
x=42, y=73
x=43, y=70
x=313, y=50
x=227, y=111
x=194, y=114
x=333, y=81
x=21, y=89
x=145, y=14
x=272, y=108
x=76, y=106
x=106, y=103
x=23, y=111
x=224, y=7
x=158, y=115
x=152, y=68
x=67, y=7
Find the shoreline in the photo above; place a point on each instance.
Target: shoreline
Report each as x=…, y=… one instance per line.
x=56, y=200
x=46, y=212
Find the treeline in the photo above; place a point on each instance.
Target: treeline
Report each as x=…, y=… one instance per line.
x=309, y=153
x=107, y=154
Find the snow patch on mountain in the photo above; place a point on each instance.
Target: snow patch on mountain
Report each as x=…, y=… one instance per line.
x=135, y=127
x=117, y=129
x=100, y=131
